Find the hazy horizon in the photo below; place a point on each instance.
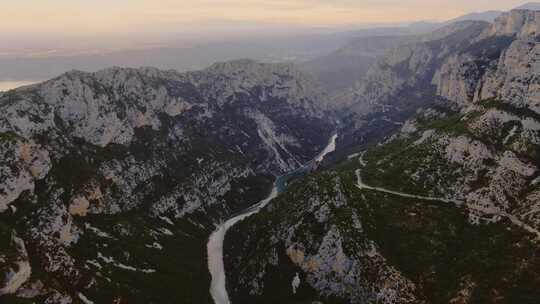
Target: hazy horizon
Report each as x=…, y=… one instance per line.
x=138, y=17
x=41, y=39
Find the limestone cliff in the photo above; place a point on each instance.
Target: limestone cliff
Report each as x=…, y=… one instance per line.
x=102, y=169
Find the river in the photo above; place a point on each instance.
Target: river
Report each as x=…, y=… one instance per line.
x=215, y=242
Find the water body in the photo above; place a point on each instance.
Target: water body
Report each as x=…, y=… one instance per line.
x=215, y=242
x=9, y=85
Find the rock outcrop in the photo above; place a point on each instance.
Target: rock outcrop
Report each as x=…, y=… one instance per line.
x=402, y=82
x=501, y=64
x=407, y=68
x=452, y=194
x=524, y=24
x=14, y=263
x=310, y=246
x=182, y=150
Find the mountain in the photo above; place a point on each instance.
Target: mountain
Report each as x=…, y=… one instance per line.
x=171, y=54
x=347, y=65
x=407, y=66
x=112, y=181
x=352, y=245
x=488, y=16
x=176, y=53
x=501, y=64
x=445, y=210
x=399, y=83
x=532, y=6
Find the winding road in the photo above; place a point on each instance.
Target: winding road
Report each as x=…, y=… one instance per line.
x=361, y=185
x=214, y=247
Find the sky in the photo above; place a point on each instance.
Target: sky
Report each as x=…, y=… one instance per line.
x=77, y=17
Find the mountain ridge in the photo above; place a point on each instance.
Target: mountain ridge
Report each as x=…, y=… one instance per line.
x=103, y=170
x=473, y=140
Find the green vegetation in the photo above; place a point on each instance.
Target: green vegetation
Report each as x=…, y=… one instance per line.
x=256, y=237
x=431, y=243
x=435, y=246
x=181, y=275
x=521, y=112
x=9, y=136
x=7, y=249
x=455, y=124
x=387, y=165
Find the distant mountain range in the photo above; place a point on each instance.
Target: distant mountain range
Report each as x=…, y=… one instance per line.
x=297, y=48
x=490, y=16
x=533, y=6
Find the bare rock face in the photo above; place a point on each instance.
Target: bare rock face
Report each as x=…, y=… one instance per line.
x=274, y=80
x=457, y=79
x=407, y=78
x=14, y=264
x=83, y=150
x=79, y=206
x=467, y=169
x=515, y=79
x=108, y=107
x=485, y=157
x=409, y=67
x=501, y=64
x=323, y=256
x=522, y=23
x=23, y=163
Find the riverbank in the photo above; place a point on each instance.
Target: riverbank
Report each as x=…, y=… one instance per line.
x=215, y=243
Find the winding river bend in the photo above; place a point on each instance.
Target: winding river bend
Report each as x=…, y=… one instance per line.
x=215, y=242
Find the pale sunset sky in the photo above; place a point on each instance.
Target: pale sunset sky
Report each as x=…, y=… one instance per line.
x=129, y=16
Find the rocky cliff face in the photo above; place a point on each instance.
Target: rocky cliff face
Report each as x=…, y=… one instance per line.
x=431, y=208
x=310, y=245
x=432, y=235
x=485, y=158
x=108, y=174
x=502, y=64
x=447, y=178
x=464, y=63
x=400, y=83
x=496, y=83
x=407, y=67
x=521, y=23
